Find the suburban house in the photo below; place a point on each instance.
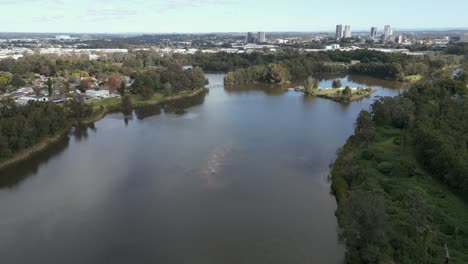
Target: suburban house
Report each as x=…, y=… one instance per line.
x=98, y=93
x=24, y=100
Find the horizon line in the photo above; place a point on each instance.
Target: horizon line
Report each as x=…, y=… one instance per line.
x=231, y=32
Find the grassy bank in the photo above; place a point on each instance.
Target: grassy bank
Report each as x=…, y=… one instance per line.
x=114, y=104
x=418, y=215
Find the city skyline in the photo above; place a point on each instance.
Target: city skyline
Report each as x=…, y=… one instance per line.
x=179, y=16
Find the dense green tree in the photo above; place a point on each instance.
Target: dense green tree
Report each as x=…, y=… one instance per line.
x=397, y=111
x=364, y=217
x=5, y=78
x=50, y=86
x=197, y=77
x=336, y=84
x=364, y=126
x=275, y=73
x=78, y=109
x=121, y=88
x=347, y=92
x=127, y=105
x=17, y=81
x=310, y=84
x=22, y=127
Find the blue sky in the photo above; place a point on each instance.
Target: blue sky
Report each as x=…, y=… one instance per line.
x=115, y=16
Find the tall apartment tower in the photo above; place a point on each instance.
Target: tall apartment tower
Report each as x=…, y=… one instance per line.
x=373, y=32
x=339, y=32
x=347, y=31
x=261, y=37
x=252, y=37
x=388, y=31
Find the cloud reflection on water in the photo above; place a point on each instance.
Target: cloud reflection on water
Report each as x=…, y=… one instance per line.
x=212, y=171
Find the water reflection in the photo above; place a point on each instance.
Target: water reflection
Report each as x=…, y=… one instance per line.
x=16, y=173
x=81, y=133
x=274, y=90
x=178, y=107
x=353, y=80
x=370, y=81
x=230, y=181
x=143, y=112
x=211, y=173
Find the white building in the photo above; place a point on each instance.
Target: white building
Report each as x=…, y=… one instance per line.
x=333, y=47
x=347, y=31
x=388, y=32
x=98, y=93
x=261, y=37
x=24, y=100
x=62, y=37
x=281, y=41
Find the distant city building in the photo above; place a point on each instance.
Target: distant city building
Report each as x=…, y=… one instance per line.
x=62, y=37
x=373, y=32
x=388, y=31
x=464, y=38
x=333, y=47
x=347, y=31
x=252, y=37
x=399, y=39
x=261, y=37
x=339, y=32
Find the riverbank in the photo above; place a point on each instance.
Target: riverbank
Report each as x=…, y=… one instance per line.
x=100, y=110
x=27, y=153
x=400, y=212
x=106, y=106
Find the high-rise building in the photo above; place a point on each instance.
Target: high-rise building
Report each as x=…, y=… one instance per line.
x=399, y=39
x=347, y=31
x=261, y=37
x=339, y=32
x=388, y=31
x=252, y=37
x=373, y=32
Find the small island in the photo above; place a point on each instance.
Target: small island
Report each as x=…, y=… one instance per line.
x=276, y=74
x=343, y=94
x=336, y=93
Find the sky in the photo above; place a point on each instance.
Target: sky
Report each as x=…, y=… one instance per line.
x=200, y=16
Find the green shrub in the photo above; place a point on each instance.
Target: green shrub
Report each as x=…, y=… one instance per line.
x=385, y=167
x=367, y=155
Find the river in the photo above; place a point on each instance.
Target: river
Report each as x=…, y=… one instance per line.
x=233, y=176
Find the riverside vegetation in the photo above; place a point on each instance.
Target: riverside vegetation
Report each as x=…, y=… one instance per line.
x=335, y=93
x=23, y=128
x=401, y=181
x=281, y=69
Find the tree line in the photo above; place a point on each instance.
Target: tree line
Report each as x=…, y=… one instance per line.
x=23, y=127
x=172, y=79
x=373, y=63
x=401, y=180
